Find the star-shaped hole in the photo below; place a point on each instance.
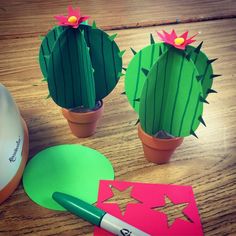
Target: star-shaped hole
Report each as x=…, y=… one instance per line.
x=121, y=198
x=173, y=211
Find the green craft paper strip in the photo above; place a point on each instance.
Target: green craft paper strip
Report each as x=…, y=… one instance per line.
x=71, y=169
x=47, y=46
x=170, y=99
x=70, y=75
x=135, y=78
x=106, y=62
x=204, y=68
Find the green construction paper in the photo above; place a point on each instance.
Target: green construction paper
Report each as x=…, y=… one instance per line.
x=106, y=62
x=46, y=48
x=70, y=74
x=135, y=77
x=171, y=96
x=72, y=169
x=204, y=68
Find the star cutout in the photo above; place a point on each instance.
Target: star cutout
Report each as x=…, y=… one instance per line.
x=121, y=198
x=173, y=211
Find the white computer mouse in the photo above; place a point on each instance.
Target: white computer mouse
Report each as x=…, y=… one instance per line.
x=13, y=144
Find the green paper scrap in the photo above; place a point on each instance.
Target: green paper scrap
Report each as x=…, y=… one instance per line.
x=72, y=169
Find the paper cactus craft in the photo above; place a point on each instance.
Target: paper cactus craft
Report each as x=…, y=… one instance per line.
x=81, y=63
x=167, y=83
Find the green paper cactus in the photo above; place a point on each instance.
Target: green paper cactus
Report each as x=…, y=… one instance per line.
x=167, y=83
x=81, y=63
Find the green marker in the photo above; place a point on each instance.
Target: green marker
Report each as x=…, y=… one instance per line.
x=96, y=216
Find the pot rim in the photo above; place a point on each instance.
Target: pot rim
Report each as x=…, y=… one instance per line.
x=83, y=117
x=157, y=143
x=89, y=110
x=159, y=139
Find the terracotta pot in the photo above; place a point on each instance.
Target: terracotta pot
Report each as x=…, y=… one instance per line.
x=83, y=124
x=158, y=150
x=12, y=185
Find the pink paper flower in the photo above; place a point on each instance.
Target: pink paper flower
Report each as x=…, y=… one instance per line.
x=73, y=19
x=179, y=42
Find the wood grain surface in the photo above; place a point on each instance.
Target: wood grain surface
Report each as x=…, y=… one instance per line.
x=207, y=163
x=21, y=18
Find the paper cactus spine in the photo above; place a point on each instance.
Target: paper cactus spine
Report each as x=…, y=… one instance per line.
x=81, y=65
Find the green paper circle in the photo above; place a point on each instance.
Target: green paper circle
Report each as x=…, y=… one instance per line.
x=71, y=169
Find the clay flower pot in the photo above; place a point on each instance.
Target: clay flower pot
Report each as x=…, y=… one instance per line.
x=12, y=185
x=158, y=150
x=83, y=124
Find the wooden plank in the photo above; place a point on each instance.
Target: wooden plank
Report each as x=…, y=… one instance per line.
x=20, y=18
x=207, y=163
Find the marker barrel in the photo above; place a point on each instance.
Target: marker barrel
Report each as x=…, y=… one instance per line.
x=118, y=227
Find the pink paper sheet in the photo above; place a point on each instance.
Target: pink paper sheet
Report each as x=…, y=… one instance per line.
x=142, y=216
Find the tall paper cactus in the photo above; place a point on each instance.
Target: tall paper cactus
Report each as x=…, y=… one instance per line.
x=167, y=84
x=81, y=64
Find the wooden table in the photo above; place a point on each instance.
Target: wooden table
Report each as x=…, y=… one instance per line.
x=207, y=163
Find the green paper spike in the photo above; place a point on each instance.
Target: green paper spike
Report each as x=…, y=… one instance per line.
x=202, y=121
x=193, y=133
x=44, y=80
x=152, y=41
x=202, y=99
x=112, y=37
x=137, y=122
x=160, y=51
x=200, y=77
x=214, y=76
x=94, y=26
x=133, y=51
x=120, y=74
x=198, y=48
x=49, y=96
x=41, y=37
x=188, y=55
x=211, y=91
x=124, y=68
x=121, y=53
x=123, y=93
x=145, y=71
x=46, y=57
x=81, y=65
x=211, y=60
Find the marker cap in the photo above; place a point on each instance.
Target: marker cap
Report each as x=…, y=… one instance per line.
x=80, y=208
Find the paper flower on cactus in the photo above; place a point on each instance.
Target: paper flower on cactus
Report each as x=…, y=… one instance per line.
x=178, y=42
x=74, y=19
